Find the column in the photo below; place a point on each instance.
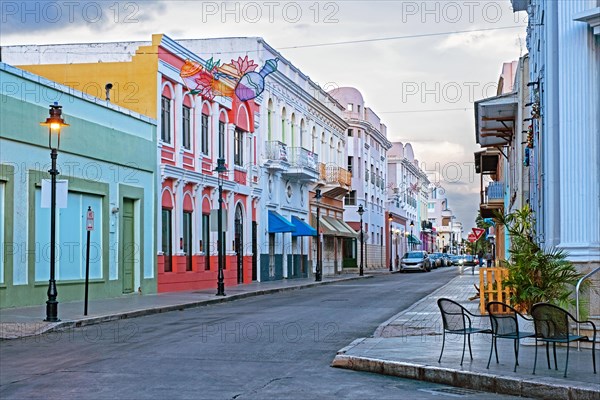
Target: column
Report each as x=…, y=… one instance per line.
x=579, y=134
x=177, y=128
x=177, y=216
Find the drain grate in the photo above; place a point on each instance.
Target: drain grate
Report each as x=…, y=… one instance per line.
x=453, y=391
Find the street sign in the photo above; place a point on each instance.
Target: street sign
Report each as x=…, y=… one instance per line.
x=89, y=225
x=472, y=238
x=478, y=232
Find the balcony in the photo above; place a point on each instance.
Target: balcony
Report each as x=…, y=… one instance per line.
x=337, y=180
x=492, y=199
x=344, y=177
x=276, y=156
x=302, y=164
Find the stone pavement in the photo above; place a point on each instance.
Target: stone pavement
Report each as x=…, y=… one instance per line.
x=408, y=345
x=28, y=321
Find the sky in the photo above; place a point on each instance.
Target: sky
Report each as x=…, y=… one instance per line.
x=420, y=65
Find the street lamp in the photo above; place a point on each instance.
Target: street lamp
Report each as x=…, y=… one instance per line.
x=360, y=212
x=319, y=271
x=54, y=123
x=391, y=233
x=220, y=170
x=412, y=225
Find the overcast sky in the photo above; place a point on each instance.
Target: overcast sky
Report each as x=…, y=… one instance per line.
x=421, y=78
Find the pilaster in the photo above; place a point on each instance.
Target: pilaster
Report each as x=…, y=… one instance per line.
x=579, y=135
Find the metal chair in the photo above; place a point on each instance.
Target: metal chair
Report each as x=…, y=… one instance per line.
x=505, y=325
x=457, y=320
x=552, y=325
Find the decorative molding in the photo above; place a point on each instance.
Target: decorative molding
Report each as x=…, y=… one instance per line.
x=591, y=17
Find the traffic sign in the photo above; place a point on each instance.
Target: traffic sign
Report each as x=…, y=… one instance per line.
x=478, y=232
x=89, y=224
x=472, y=238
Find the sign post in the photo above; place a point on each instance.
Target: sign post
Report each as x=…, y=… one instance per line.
x=89, y=226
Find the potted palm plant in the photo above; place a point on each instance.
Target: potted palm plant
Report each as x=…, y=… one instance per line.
x=535, y=274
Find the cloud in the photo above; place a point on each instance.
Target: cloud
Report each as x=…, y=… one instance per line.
x=20, y=17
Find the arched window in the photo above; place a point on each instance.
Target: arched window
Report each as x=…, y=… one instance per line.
x=205, y=129
x=283, y=116
x=292, y=130
x=186, y=123
x=166, y=114
x=270, y=120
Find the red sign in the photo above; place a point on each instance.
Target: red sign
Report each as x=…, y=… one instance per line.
x=90, y=220
x=478, y=232
x=472, y=238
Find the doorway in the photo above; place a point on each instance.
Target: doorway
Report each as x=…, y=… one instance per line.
x=128, y=245
x=254, y=251
x=238, y=241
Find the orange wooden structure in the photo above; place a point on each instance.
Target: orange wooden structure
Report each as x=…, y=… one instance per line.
x=491, y=287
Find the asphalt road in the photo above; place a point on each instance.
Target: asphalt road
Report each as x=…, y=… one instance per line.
x=276, y=346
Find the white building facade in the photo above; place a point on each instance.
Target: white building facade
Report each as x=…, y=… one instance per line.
x=367, y=160
x=301, y=147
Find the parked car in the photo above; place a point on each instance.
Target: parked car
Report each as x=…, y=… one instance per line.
x=447, y=259
x=470, y=260
x=437, y=260
x=458, y=260
x=415, y=260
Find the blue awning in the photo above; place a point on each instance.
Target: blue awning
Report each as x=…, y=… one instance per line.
x=302, y=228
x=278, y=224
x=412, y=239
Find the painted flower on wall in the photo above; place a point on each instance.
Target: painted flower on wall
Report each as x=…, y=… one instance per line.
x=243, y=65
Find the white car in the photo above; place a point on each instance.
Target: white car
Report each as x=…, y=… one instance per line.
x=415, y=260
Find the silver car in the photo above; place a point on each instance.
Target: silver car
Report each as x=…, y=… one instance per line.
x=415, y=260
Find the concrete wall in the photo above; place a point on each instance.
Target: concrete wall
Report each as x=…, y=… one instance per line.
x=96, y=158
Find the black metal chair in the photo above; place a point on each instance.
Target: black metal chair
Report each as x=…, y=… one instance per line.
x=457, y=320
x=552, y=325
x=505, y=325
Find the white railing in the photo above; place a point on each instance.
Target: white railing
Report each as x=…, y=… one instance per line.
x=579, y=282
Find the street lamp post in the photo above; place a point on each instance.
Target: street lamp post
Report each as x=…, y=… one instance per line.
x=412, y=225
x=220, y=170
x=361, y=211
x=319, y=270
x=391, y=233
x=54, y=123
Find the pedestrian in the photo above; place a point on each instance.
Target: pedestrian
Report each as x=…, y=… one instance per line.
x=480, y=259
x=489, y=258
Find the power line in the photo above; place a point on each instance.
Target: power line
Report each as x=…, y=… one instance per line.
x=245, y=51
x=400, y=37
x=426, y=111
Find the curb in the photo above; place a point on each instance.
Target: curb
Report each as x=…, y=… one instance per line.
x=550, y=389
x=86, y=321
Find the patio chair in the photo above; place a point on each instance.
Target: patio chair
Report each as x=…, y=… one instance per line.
x=552, y=325
x=457, y=320
x=505, y=325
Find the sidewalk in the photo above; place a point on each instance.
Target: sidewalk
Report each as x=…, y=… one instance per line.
x=28, y=321
x=408, y=345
